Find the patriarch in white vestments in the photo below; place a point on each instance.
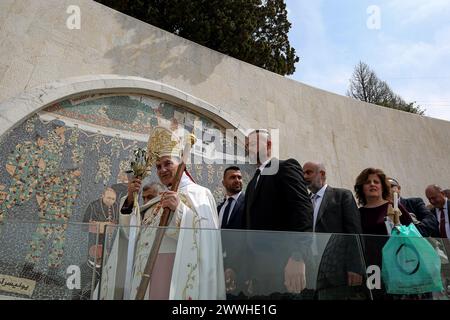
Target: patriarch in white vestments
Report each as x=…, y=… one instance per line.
x=189, y=265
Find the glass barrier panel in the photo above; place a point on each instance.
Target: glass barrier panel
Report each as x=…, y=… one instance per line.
x=269, y=265
x=47, y=260
x=230, y=264
x=406, y=267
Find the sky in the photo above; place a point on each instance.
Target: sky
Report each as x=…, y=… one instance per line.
x=406, y=43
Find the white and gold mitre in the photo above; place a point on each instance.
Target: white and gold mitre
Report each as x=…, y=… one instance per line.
x=163, y=142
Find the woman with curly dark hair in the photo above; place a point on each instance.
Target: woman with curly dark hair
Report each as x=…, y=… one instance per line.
x=373, y=192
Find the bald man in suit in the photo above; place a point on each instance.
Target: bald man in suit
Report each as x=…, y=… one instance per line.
x=276, y=199
x=340, y=269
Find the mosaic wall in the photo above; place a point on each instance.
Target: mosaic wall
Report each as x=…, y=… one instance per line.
x=67, y=164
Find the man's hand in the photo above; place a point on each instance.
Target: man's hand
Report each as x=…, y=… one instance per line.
x=230, y=280
x=134, y=185
x=354, y=279
x=294, y=276
x=170, y=199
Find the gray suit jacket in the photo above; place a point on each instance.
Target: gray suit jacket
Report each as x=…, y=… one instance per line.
x=339, y=214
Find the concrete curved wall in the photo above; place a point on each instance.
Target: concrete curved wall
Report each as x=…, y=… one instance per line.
x=36, y=48
x=15, y=110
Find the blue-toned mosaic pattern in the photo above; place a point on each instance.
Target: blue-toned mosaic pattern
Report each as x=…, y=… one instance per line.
x=57, y=163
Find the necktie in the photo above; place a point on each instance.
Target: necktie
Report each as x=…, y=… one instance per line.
x=313, y=199
x=226, y=213
x=249, y=198
x=256, y=177
x=315, y=211
x=442, y=230
x=252, y=187
x=314, y=248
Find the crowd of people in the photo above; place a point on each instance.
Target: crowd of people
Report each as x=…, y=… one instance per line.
x=282, y=196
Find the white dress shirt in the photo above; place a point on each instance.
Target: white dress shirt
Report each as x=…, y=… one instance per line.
x=317, y=201
x=222, y=209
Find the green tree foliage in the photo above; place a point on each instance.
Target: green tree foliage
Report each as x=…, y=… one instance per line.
x=255, y=31
x=366, y=86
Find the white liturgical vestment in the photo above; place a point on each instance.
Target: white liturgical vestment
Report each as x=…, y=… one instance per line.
x=192, y=234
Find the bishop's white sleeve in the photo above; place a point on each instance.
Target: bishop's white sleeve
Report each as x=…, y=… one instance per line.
x=213, y=219
x=124, y=219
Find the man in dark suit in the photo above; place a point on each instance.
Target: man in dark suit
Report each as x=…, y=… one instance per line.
x=441, y=206
x=276, y=199
x=441, y=210
x=234, y=199
x=427, y=224
x=230, y=217
x=335, y=211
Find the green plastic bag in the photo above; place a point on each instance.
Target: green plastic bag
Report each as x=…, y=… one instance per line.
x=410, y=263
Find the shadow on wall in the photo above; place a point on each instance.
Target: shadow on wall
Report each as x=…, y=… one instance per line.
x=156, y=54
